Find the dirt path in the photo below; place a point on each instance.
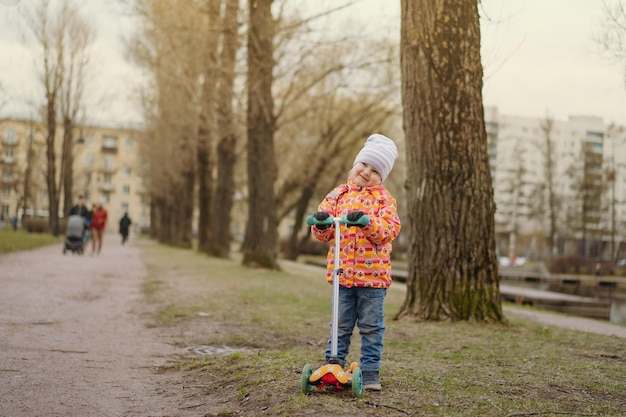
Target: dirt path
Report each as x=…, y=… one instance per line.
x=74, y=341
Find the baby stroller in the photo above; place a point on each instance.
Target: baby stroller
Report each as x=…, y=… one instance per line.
x=74, y=235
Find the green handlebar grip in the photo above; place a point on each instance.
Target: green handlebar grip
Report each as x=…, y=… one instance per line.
x=311, y=221
x=362, y=221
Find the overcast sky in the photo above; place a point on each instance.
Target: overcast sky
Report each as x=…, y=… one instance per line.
x=539, y=58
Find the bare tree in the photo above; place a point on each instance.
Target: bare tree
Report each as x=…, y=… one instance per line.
x=226, y=148
x=79, y=37
x=172, y=35
x=51, y=37
x=320, y=157
x=612, y=38
x=64, y=37
x=453, y=272
x=260, y=242
x=616, y=139
x=547, y=127
x=331, y=92
x=207, y=130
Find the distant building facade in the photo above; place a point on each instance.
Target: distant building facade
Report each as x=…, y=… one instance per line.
x=586, y=180
x=579, y=163
x=105, y=170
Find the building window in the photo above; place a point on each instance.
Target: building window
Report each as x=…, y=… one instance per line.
x=107, y=179
x=88, y=159
x=5, y=211
x=109, y=162
x=127, y=171
x=126, y=190
x=125, y=207
x=6, y=191
x=129, y=143
x=109, y=142
x=89, y=140
x=10, y=136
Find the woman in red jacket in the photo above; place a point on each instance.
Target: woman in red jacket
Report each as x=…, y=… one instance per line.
x=98, y=223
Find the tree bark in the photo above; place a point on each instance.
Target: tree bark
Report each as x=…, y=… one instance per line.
x=53, y=197
x=260, y=242
x=208, y=127
x=452, y=259
x=67, y=166
x=227, y=146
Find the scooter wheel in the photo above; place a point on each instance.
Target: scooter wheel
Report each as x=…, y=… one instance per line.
x=305, y=385
x=357, y=382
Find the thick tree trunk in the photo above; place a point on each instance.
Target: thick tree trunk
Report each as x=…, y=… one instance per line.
x=260, y=242
x=208, y=128
x=452, y=267
x=223, y=201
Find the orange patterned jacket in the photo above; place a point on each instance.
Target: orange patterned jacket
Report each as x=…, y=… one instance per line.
x=365, y=252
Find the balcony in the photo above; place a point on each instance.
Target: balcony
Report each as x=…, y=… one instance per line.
x=105, y=187
x=8, y=160
x=109, y=149
x=109, y=144
x=108, y=168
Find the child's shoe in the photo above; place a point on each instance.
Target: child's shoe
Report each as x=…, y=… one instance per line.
x=371, y=380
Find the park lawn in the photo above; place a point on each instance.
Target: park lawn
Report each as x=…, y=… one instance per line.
x=14, y=240
x=279, y=321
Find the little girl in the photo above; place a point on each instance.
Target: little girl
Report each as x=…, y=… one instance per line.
x=365, y=252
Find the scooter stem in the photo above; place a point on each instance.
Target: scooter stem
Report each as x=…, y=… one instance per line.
x=334, y=335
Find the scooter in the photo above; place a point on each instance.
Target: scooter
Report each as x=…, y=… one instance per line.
x=332, y=373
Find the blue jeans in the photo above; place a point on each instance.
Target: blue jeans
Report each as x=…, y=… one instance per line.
x=363, y=307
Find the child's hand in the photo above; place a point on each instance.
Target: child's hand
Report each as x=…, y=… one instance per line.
x=321, y=216
x=354, y=216
x=353, y=219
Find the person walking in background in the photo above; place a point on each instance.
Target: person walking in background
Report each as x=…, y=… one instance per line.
x=125, y=223
x=365, y=252
x=98, y=223
x=80, y=209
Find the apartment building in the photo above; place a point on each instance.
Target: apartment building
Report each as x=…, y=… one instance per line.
x=105, y=170
x=587, y=177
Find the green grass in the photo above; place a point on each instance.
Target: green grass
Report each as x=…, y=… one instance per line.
x=11, y=240
x=428, y=369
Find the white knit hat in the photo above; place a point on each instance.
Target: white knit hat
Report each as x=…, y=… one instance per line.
x=380, y=152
